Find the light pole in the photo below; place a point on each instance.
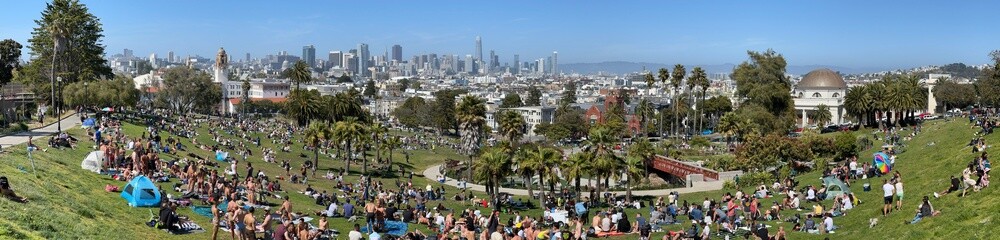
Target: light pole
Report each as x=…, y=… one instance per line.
x=86, y=92
x=58, y=109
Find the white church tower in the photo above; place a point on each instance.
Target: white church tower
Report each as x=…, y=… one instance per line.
x=221, y=64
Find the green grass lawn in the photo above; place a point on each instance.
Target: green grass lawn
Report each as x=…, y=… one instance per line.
x=68, y=202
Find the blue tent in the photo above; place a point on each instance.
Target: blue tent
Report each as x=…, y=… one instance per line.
x=89, y=122
x=141, y=192
x=221, y=156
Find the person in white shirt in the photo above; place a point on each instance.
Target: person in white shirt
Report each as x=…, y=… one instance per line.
x=355, y=234
x=811, y=194
x=828, y=223
x=846, y=202
x=899, y=193
x=887, y=191
x=854, y=167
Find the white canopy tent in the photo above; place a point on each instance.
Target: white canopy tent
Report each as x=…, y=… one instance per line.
x=93, y=162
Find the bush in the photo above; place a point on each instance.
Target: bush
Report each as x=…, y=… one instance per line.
x=700, y=141
x=22, y=127
x=729, y=185
x=754, y=179
x=721, y=163
x=845, y=146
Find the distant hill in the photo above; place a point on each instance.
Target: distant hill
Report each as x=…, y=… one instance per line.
x=623, y=67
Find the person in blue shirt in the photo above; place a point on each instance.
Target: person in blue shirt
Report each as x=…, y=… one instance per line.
x=696, y=214
x=348, y=209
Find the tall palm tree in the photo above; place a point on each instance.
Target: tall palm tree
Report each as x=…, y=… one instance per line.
x=675, y=81
x=633, y=168
x=701, y=81
x=549, y=159
x=664, y=76
x=601, y=142
x=300, y=73
x=490, y=166
x=316, y=135
x=527, y=166
x=691, y=83
x=349, y=131
x=304, y=105
x=511, y=126
x=377, y=131
x=392, y=143
x=471, y=116
x=576, y=166
x=59, y=30
x=644, y=110
x=642, y=148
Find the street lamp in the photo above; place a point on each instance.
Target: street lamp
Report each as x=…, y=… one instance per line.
x=86, y=92
x=58, y=112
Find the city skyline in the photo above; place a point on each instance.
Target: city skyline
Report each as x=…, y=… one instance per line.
x=849, y=34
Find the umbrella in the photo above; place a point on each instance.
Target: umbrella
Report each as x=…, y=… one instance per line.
x=107, y=109
x=881, y=162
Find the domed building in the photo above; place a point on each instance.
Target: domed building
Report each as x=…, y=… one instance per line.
x=820, y=87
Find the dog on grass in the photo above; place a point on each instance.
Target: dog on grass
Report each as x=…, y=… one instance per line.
x=872, y=222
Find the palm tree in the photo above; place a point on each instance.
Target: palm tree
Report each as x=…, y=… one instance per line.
x=304, y=105
x=300, y=73
x=576, y=166
x=59, y=30
x=728, y=125
x=633, y=171
x=675, y=81
x=821, y=115
x=527, y=166
x=600, y=141
x=549, y=159
x=491, y=164
x=471, y=116
x=644, y=110
x=701, y=80
x=642, y=148
x=392, y=143
x=664, y=76
x=349, y=131
x=377, y=131
x=696, y=75
x=511, y=126
x=316, y=134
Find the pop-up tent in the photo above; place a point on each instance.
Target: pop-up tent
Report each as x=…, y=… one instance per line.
x=93, y=162
x=835, y=187
x=141, y=192
x=89, y=123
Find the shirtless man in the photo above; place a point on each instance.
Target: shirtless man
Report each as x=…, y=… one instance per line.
x=249, y=231
x=265, y=226
x=370, y=214
x=286, y=209
x=216, y=219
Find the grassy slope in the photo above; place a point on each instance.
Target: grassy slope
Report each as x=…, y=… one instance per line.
x=68, y=202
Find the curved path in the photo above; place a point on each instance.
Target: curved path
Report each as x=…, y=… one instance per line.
x=434, y=171
x=69, y=122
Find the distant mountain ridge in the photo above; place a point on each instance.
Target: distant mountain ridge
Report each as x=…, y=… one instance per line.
x=623, y=67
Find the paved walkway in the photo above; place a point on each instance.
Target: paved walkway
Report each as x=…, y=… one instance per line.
x=434, y=171
x=72, y=121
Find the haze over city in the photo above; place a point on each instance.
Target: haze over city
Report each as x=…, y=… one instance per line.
x=854, y=34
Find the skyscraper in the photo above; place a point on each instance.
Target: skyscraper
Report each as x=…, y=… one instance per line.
x=349, y=63
x=397, y=53
x=336, y=59
x=479, y=49
x=493, y=56
x=128, y=53
x=363, y=58
x=555, y=63
x=170, y=56
x=248, y=57
x=517, y=64
x=469, y=67
x=309, y=55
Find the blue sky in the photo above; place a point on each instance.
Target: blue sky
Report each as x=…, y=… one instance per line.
x=857, y=34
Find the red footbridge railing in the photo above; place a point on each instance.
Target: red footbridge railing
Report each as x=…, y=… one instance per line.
x=681, y=169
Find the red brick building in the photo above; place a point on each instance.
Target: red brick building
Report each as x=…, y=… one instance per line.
x=595, y=113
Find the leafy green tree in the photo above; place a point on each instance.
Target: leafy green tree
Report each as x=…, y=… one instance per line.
x=413, y=113
x=471, y=115
x=512, y=100
x=954, y=95
x=761, y=82
x=444, y=110
x=370, y=89
x=300, y=73
x=569, y=93
x=186, y=90
x=821, y=116
x=845, y=145
x=10, y=60
x=568, y=123
x=534, y=96
x=70, y=36
x=117, y=92
x=716, y=106
x=344, y=79
x=403, y=84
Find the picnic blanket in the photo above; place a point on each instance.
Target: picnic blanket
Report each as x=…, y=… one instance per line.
x=395, y=228
x=187, y=226
x=204, y=211
x=610, y=234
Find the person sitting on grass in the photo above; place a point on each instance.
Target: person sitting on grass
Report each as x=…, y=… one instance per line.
x=967, y=179
x=924, y=210
x=955, y=183
x=9, y=193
